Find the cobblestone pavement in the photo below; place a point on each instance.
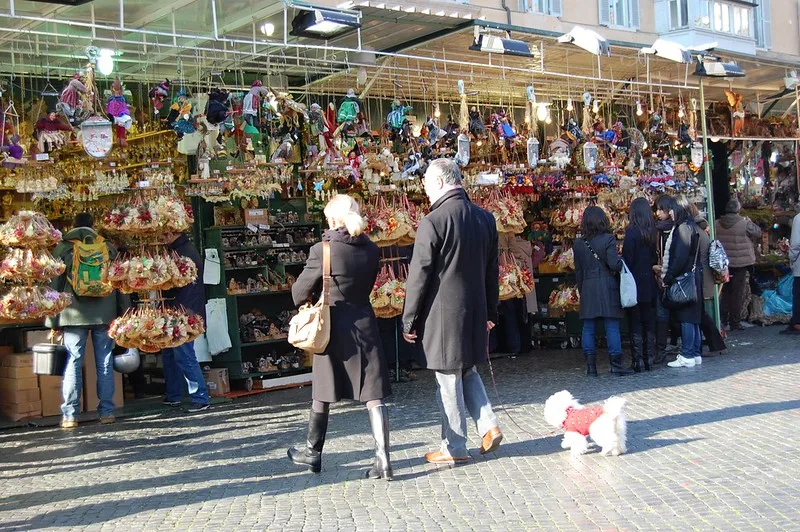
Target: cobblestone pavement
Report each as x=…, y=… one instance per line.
x=711, y=447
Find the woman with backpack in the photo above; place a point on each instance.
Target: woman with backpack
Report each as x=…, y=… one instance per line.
x=639, y=253
x=596, y=266
x=682, y=258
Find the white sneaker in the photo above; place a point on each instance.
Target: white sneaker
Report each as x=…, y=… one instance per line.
x=682, y=362
x=698, y=361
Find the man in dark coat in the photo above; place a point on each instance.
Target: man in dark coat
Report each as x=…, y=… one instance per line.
x=180, y=363
x=451, y=304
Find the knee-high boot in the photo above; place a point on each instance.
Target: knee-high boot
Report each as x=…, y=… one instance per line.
x=591, y=365
x=648, y=350
x=637, y=347
x=379, y=420
x=662, y=329
x=311, y=456
x=617, y=367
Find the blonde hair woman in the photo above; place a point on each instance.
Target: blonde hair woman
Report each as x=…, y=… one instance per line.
x=353, y=366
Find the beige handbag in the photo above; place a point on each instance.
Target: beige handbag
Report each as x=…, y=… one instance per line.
x=310, y=330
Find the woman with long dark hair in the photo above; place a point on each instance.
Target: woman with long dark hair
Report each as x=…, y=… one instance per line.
x=681, y=256
x=596, y=265
x=639, y=251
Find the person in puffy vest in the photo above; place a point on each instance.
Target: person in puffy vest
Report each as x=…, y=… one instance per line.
x=87, y=315
x=738, y=235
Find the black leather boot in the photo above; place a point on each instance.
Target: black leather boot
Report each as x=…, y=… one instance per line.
x=648, y=349
x=637, y=364
x=660, y=355
x=617, y=367
x=311, y=456
x=379, y=420
x=591, y=365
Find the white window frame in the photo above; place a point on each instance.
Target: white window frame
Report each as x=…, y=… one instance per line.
x=630, y=14
x=542, y=7
x=721, y=16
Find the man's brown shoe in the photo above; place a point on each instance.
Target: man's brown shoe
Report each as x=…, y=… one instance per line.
x=438, y=457
x=491, y=441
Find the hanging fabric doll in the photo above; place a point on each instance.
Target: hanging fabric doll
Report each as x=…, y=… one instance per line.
x=252, y=102
x=451, y=130
x=316, y=124
x=180, y=114
x=70, y=98
x=737, y=112
x=463, y=110
x=586, y=125
x=572, y=132
x=158, y=94
x=361, y=125
x=349, y=108
x=49, y=132
x=354, y=160
x=217, y=106
x=12, y=152
x=435, y=133
x=462, y=155
x=117, y=107
x=476, y=127
x=397, y=121
x=683, y=134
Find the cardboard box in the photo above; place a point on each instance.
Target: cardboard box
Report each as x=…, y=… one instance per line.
x=13, y=385
x=51, y=395
x=22, y=411
x=31, y=338
x=217, y=381
x=256, y=216
x=91, y=401
x=17, y=360
x=16, y=372
x=20, y=396
x=6, y=350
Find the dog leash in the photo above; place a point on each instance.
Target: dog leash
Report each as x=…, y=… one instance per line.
x=502, y=406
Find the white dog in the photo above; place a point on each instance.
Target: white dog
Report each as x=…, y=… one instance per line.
x=604, y=423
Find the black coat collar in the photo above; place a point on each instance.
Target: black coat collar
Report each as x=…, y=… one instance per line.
x=341, y=235
x=455, y=193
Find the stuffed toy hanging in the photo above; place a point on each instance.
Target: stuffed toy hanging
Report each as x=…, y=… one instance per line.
x=396, y=119
x=180, y=114
x=158, y=94
x=349, y=108
x=117, y=107
x=70, y=99
x=462, y=155
x=12, y=152
x=252, y=102
x=217, y=106
x=48, y=131
x=476, y=126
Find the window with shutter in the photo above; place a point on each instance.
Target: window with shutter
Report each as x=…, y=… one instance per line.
x=635, y=21
x=605, y=12
x=661, y=9
x=555, y=8
x=766, y=22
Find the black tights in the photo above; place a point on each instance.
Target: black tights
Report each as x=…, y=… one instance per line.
x=321, y=407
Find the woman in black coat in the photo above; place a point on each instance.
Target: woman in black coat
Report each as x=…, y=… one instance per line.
x=681, y=256
x=353, y=365
x=639, y=253
x=596, y=265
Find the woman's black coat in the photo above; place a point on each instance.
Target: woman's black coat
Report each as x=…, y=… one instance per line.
x=683, y=255
x=640, y=256
x=598, y=283
x=353, y=366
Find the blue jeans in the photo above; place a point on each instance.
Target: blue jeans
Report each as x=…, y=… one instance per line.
x=612, y=336
x=71, y=387
x=459, y=392
x=180, y=363
x=691, y=340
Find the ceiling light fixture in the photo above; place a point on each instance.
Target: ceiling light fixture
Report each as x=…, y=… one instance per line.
x=105, y=61
x=268, y=29
x=570, y=107
x=639, y=111
x=324, y=23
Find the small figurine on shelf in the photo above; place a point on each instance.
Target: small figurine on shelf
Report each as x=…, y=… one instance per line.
x=12, y=153
x=252, y=102
x=158, y=94
x=70, y=99
x=49, y=132
x=349, y=108
x=117, y=107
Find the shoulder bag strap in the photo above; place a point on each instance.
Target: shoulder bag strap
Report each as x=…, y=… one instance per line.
x=326, y=273
x=696, y=251
x=595, y=254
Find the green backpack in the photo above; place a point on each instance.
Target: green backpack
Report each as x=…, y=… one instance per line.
x=90, y=267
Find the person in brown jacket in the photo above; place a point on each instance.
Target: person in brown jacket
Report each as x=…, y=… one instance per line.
x=738, y=235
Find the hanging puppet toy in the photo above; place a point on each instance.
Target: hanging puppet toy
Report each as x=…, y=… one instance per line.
x=158, y=94
x=117, y=107
x=252, y=102
x=70, y=99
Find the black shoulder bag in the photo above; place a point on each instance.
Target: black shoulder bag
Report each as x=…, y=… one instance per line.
x=683, y=291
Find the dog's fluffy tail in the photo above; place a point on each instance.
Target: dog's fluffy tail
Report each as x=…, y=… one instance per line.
x=613, y=406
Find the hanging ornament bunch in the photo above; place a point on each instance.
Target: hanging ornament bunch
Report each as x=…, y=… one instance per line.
x=149, y=216
x=27, y=263
x=389, y=292
x=515, y=279
x=153, y=329
x=564, y=299
x=392, y=224
x=146, y=272
x=506, y=209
